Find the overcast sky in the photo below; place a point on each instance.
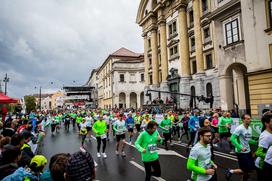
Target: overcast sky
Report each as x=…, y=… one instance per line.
x=61, y=41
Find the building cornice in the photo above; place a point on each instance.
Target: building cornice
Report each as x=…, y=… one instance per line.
x=224, y=9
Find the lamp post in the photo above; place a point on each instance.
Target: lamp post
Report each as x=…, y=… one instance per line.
x=6, y=80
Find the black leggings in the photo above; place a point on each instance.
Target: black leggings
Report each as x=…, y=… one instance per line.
x=185, y=133
x=167, y=136
x=99, y=144
x=156, y=169
x=192, y=138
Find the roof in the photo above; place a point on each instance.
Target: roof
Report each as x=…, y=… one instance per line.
x=123, y=52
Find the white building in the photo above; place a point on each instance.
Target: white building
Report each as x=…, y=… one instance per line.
x=121, y=80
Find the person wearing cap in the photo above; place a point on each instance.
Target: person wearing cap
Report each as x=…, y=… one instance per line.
x=80, y=166
x=100, y=129
x=31, y=172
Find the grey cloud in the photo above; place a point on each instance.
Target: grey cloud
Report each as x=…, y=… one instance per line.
x=62, y=40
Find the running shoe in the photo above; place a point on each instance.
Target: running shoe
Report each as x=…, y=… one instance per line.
x=228, y=174
x=116, y=152
x=123, y=154
x=104, y=155
x=98, y=155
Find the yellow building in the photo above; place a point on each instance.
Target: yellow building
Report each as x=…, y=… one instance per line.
x=207, y=47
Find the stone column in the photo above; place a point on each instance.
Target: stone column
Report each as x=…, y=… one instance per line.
x=198, y=37
x=138, y=100
x=184, y=42
x=155, y=64
x=164, y=60
x=146, y=63
x=127, y=100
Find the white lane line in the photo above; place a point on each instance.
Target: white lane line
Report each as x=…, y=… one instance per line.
x=93, y=137
x=225, y=155
x=142, y=168
x=220, y=153
x=164, y=152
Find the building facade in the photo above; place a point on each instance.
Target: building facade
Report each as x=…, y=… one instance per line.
x=121, y=80
x=206, y=47
x=93, y=82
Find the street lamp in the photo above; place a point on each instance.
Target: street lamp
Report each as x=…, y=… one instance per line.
x=6, y=80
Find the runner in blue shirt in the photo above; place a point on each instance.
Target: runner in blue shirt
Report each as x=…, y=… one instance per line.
x=130, y=126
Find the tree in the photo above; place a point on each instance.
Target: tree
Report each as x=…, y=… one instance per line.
x=30, y=103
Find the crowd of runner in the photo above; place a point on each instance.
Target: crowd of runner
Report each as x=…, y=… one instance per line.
x=22, y=134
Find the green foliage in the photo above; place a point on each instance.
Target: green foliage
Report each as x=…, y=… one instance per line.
x=30, y=103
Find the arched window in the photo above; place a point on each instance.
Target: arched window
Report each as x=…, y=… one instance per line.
x=193, y=91
x=209, y=90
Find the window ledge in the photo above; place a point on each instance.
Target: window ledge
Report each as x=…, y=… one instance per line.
x=122, y=82
x=208, y=42
x=132, y=82
x=173, y=57
x=232, y=45
x=172, y=36
x=268, y=30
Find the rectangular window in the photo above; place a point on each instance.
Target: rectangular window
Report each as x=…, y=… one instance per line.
x=209, y=62
x=122, y=78
x=159, y=59
x=193, y=44
x=191, y=18
x=173, y=51
x=269, y=13
x=204, y=6
x=193, y=67
x=232, y=32
x=270, y=51
x=150, y=79
x=142, y=77
x=150, y=62
x=172, y=28
x=207, y=36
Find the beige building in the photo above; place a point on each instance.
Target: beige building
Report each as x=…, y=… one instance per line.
x=57, y=99
x=121, y=80
x=207, y=47
x=93, y=82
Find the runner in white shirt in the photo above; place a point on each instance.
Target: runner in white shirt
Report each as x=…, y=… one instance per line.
x=266, y=145
x=89, y=121
x=120, y=129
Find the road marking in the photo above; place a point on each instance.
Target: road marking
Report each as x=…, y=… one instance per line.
x=224, y=155
x=93, y=137
x=164, y=152
x=142, y=168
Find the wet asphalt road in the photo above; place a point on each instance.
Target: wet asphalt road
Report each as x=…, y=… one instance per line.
x=130, y=168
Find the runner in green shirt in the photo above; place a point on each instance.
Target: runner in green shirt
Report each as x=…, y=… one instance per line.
x=224, y=126
x=100, y=129
x=166, y=125
x=146, y=143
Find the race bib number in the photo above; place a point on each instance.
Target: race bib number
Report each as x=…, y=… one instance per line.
x=130, y=125
x=180, y=125
x=103, y=136
x=152, y=148
x=166, y=127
